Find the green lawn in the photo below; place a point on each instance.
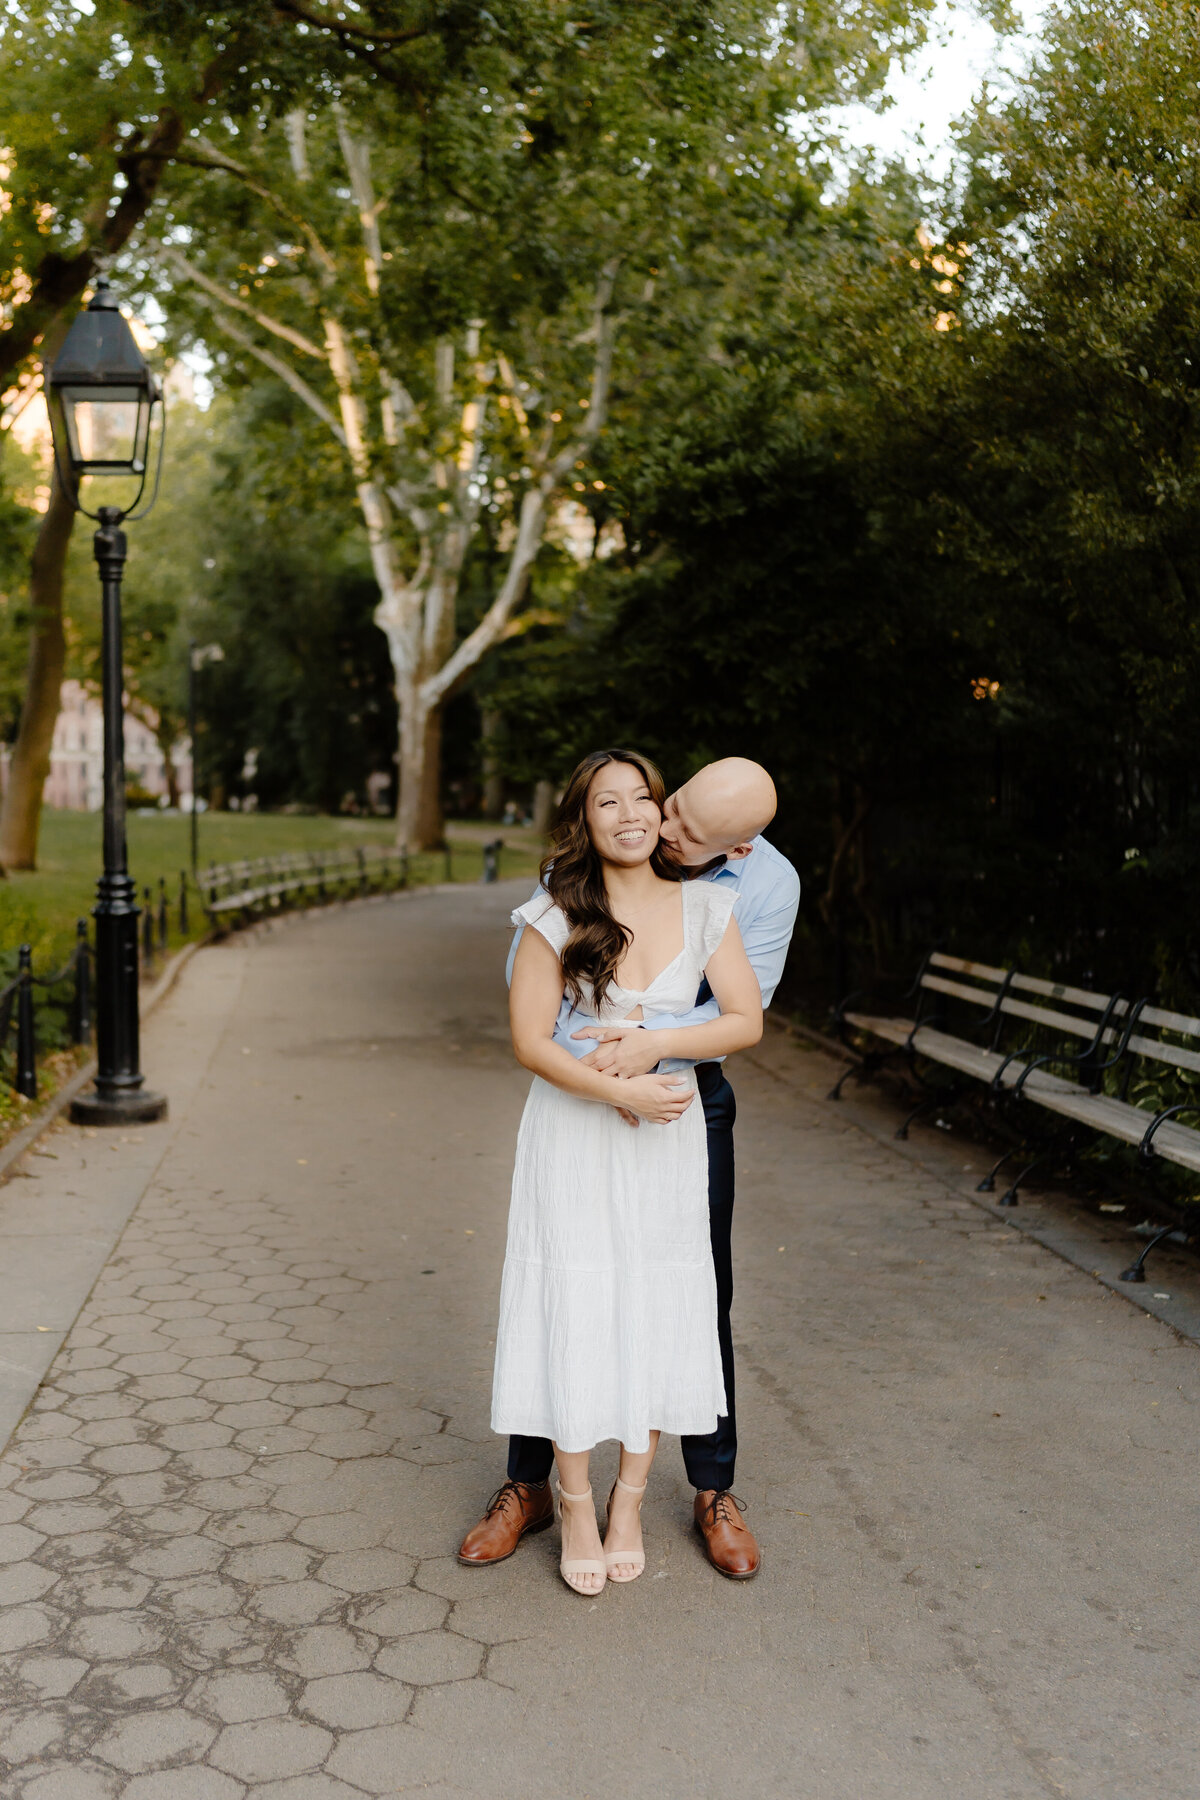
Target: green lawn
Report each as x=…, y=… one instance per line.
x=41, y=907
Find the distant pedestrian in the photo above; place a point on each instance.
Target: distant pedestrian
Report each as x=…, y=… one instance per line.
x=614, y=1313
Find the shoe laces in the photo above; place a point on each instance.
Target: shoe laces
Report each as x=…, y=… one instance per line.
x=508, y=1490
x=718, y=1508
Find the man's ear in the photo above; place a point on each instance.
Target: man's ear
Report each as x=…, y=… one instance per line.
x=738, y=852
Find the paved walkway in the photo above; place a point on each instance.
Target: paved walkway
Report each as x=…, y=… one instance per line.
x=227, y=1522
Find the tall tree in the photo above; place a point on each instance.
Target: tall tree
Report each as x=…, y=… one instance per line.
x=452, y=287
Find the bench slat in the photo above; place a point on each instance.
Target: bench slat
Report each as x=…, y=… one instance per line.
x=1057, y=990
x=1170, y=1021
x=962, y=966
x=978, y=996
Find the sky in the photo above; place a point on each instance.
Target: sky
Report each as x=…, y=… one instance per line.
x=937, y=85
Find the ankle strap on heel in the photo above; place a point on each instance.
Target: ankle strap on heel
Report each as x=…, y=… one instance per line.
x=627, y=1487
x=563, y=1494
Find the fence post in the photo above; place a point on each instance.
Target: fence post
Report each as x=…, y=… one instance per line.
x=183, y=913
x=491, y=860
x=162, y=913
x=147, y=930
x=449, y=862
x=81, y=1023
x=26, y=1047
x=404, y=867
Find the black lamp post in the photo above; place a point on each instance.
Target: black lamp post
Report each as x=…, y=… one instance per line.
x=103, y=395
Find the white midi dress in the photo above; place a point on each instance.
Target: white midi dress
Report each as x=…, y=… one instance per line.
x=608, y=1304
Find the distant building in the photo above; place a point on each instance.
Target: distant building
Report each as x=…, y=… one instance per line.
x=76, y=779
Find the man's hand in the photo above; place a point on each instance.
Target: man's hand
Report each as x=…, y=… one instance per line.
x=626, y=1053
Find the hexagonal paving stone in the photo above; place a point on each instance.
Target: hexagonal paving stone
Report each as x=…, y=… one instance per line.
x=21, y=1626
x=295, y=1602
x=233, y=1494
x=58, y=1484
x=103, y=1432
x=24, y=1581
x=340, y=1531
x=72, y=1783
x=352, y=1702
x=322, y=1419
x=366, y=1571
x=206, y=1465
x=202, y=1436
x=270, y=1749
x=56, y=1520
x=133, y=1681
x=179, y=1412
x=260, y=1525
x=211, y=1599
x=92, y=1381
x=234, y=1698
x=151, y=1739
x=194, y=1783
x=326, y=1650
x=238, y=1388
x=262, y=1563
x=213, y=1368
x=273, y=1440
x=388, y=1758
x=307, y=1787
x=52, y=1676
x=310, y=1393
x=152, y=1489
x=129, y=1459
x=103, y=1588
x=172, y=1520
x=304, y=1466
x=179, y=1556
x=429, y=1656
x=18, y=1542
x=78, y=1547
x=406, y=1611
x=39, y=1731
x=244, y=1414
x=115, y=1635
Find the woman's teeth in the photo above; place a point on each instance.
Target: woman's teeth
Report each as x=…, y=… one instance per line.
x=630, y=837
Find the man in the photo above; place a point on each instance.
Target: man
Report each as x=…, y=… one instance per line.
x=714, y=825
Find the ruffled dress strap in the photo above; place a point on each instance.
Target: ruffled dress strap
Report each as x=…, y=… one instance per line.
x=710, y=908
x=545, y=917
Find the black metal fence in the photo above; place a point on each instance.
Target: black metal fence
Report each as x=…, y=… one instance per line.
x=17, y=1005
x=228, y=894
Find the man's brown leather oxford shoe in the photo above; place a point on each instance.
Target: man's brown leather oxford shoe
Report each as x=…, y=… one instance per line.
x=517, y=1507
x=728, y=1542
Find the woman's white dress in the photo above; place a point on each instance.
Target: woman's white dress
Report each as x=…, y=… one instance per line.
x=608, y=1306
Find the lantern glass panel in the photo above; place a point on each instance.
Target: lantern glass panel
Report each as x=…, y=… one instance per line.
x=106, y=429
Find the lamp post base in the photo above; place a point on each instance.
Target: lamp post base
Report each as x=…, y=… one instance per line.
x=137, y=1107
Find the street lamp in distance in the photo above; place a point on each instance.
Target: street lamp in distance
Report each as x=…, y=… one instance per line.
x=198, y=655
x=102, y=396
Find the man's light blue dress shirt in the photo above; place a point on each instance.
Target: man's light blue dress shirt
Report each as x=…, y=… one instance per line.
x=768, y=897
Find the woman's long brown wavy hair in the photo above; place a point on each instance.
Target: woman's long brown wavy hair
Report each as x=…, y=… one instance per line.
x=573, y=875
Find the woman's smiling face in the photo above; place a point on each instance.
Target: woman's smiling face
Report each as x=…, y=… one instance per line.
x=623, y=820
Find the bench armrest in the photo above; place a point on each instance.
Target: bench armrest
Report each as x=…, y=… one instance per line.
x=1146, y=1147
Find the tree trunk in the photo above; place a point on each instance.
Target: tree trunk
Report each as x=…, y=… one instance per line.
x=419, y=822
x=543, y=806
x=491, y=724
x=21, y=811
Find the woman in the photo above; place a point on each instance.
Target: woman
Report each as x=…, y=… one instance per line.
x=608, y=1306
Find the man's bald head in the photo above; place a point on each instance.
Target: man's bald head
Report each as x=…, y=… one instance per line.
x=720, y=811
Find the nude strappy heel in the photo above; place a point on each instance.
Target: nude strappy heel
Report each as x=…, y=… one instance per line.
x=613, y=1558
x=578, y=1565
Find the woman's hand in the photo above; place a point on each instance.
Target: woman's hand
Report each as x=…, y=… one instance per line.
x=659, y=1099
